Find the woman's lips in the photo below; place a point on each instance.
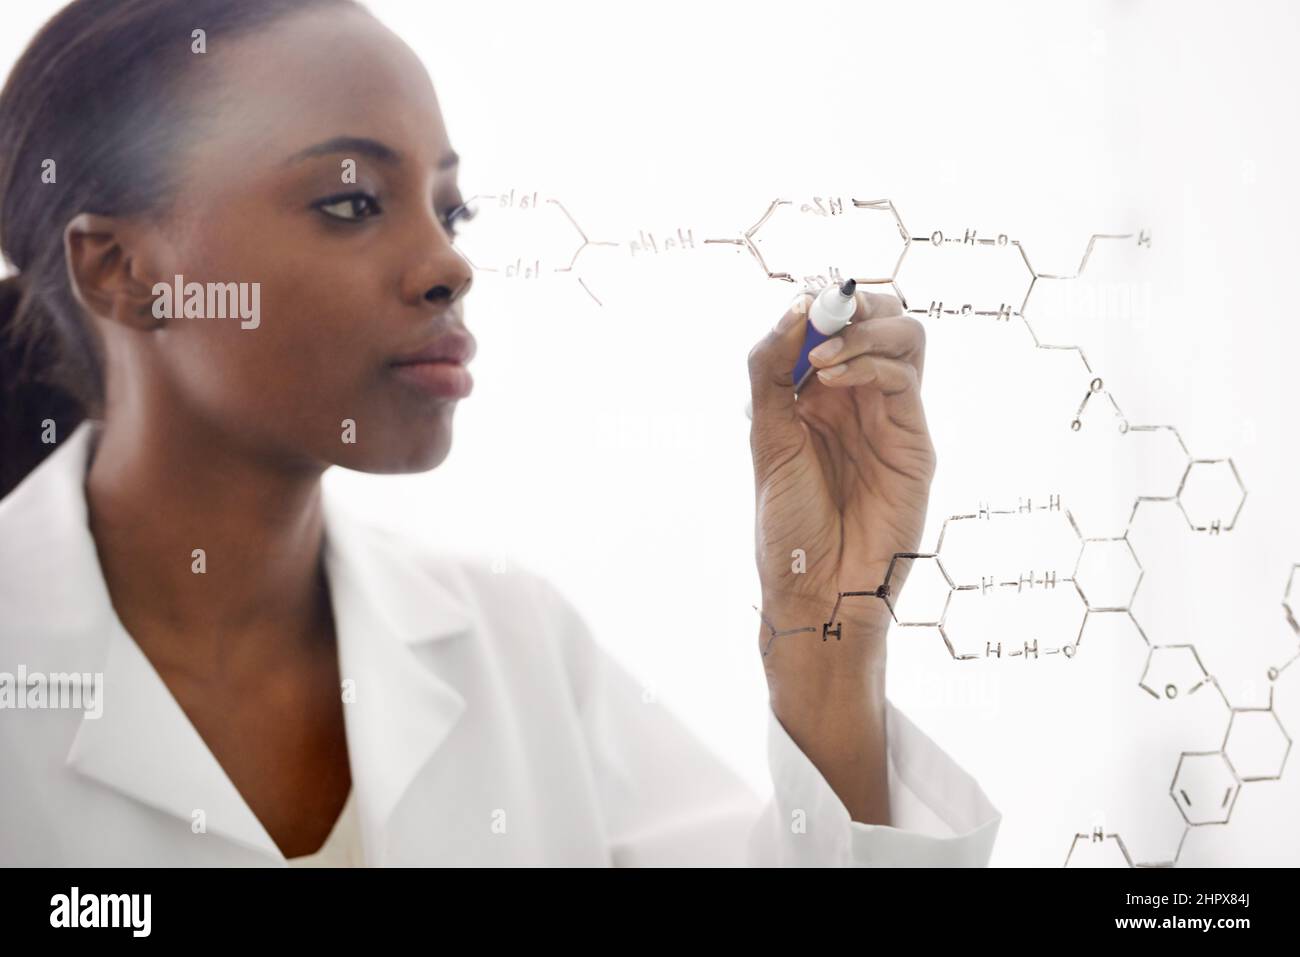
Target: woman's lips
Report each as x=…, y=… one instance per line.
x=441, y=377
x=439, y=368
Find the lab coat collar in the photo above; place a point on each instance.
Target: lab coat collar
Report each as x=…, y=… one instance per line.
x=392, y=621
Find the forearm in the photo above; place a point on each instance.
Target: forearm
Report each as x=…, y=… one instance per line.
x=830, y=697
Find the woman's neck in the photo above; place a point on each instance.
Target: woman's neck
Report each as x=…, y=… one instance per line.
x=212, y=552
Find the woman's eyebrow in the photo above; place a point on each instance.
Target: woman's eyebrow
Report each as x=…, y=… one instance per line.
x=364, y=146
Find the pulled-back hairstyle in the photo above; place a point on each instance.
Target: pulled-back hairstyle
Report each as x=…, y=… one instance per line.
x=105, y=91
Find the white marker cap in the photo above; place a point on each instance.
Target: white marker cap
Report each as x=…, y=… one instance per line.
x=833, y=308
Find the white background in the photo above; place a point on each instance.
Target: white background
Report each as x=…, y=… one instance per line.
x=606, y=445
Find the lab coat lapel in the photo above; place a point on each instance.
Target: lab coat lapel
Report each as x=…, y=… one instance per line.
x=392, y=620
x=143, y=744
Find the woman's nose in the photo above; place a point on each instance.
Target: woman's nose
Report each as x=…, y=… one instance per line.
x=442, y=293
x=439, y=275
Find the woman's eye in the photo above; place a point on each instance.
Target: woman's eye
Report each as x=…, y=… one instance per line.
x=459, y=214
x=353, y=206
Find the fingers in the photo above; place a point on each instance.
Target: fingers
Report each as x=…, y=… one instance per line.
x=890, y=337
x=772, y=362
x=898, y=337
x=898, y=382
x=878, y=305
x=878, y=328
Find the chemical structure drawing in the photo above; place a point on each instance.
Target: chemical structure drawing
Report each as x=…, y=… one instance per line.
x=1008, y=308
x=1206, y=784
x=1093, y=594
x=549, y=225
x=827, y=208
x=1254, y=745
x=1203, y=480
x=1106, y=572
x=1210, y=495
x=1289, y=601
x=543, y=238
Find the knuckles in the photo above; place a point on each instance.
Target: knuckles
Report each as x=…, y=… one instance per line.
x=881, y=305
x=916, y=331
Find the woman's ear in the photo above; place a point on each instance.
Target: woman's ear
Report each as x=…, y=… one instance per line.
x=105, y=278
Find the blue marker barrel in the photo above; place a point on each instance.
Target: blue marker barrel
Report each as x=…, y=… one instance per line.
x=829, y=314
x=811, y=341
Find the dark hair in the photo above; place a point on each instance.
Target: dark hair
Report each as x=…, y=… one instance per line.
x=104, y=90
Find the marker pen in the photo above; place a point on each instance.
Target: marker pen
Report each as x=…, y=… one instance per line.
x=829, y=315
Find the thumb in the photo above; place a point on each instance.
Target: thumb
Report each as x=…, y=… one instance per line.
x=771, y=367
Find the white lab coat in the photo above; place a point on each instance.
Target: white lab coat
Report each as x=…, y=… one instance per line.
x=488, y=728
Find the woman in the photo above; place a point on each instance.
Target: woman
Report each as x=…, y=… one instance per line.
x=168, y=531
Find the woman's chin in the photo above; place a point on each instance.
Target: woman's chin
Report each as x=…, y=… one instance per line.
x=405, y=453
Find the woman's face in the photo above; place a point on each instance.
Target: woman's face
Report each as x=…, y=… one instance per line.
x=353, y=275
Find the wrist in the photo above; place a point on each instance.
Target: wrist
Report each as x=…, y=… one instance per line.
x=832, y=617
x=808, y=698
x=812, y=658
